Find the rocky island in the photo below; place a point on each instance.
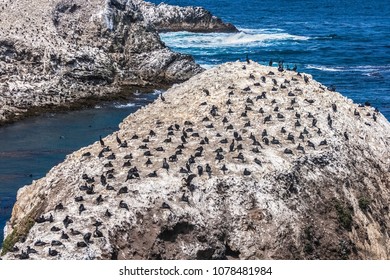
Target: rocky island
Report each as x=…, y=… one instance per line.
x=241, y=161
x=68, y=53
x=175, y=18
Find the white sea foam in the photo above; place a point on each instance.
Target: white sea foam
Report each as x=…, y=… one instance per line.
x=367, y=70
x=326, y=68
x=207, y=66
x=373, y=74
x=246, y=37
x=156, y=92
x=372, y=68
x=127, y=105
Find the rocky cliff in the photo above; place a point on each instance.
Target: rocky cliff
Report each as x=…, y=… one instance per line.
x=174, y=18
x=66, y=52
x=240, y=162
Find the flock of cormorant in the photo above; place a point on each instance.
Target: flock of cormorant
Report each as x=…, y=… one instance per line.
x=230, y=128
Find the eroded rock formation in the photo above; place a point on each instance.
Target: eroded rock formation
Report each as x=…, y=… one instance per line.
x=66, y=52
x=241, y=161
x=175, y=18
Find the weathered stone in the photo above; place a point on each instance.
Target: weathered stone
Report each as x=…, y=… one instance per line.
x=174, y=18
x=56, y=53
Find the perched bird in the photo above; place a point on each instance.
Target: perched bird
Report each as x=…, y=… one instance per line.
x=123, y=190
x=165, y=205
x=208, y=170
x=31, y=250
x=189, y=179
x=97, y=233
x=81, y=208
x=184, y=198
x=323, y=143
x=148, y=162
x=275, y=141
x=64, y=235
x=67, y=221
x=300, y=148
x=231, y=147
x=331, y=88
x=107, y=214
x=99, y=199
x=224, y=169
x=103, y=180
x=101, y=141
x=81, y=244
x=74, y=232
x=118, y=140
x=356, y=113
x=23, y=256
x=78, y=198
x=123, y=205
x=53, y=253
x=165, y=164
x=87, y=237
x=200, y=170
x=97, y=224
x=56, y=243
x=40, y=243
x=59, y=207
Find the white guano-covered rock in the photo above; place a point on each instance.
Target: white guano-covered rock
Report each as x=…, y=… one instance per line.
x=246, y=162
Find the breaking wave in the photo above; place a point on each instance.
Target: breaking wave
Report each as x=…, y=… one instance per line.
x=127, y=105
x=246, y=37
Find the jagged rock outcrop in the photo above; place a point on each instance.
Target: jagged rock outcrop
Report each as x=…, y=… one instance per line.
x=175, y=18
x=66, y=52
x=241, y=161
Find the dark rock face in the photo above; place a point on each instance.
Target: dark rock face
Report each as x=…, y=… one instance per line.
x=174, y=18
x=54, y=53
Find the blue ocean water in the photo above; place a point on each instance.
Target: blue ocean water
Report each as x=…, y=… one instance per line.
x=341, y=42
